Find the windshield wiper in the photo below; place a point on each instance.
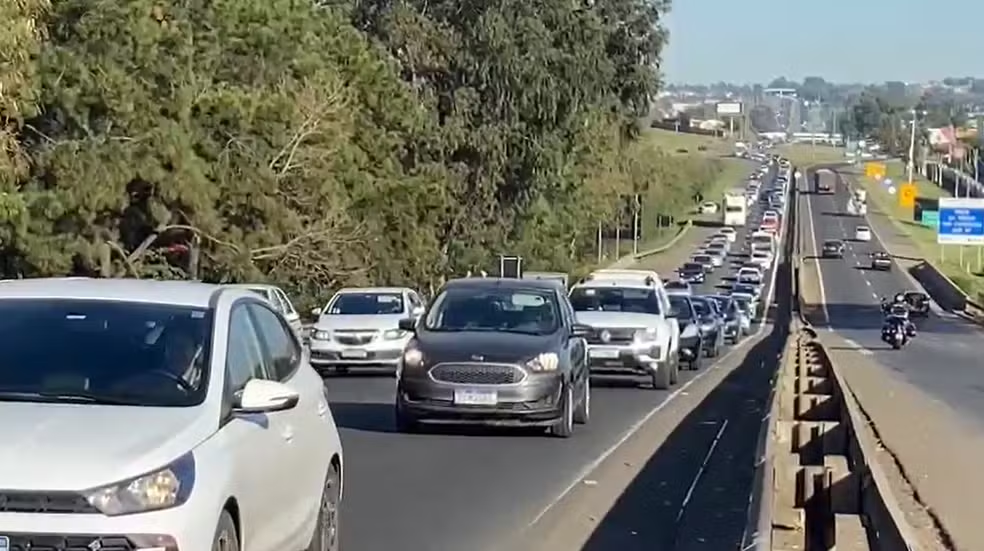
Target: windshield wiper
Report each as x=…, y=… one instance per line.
x=61, y=397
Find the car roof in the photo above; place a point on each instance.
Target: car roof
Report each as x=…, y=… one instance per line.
x=613, y=283
x=862, y=227
x=501, y=283
x=179, y=293
x=372, y=290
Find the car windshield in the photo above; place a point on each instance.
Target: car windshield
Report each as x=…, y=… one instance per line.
x=682, y=307
x=616, y=299
x=702, y=259
x=743, y=302
x=365, y=304
x=742, y=288
x=716, y=245
x=103, y=352
x=862, y=229
x=692, y=267
x=832, y=244
x=523, y=310
x=702, y=307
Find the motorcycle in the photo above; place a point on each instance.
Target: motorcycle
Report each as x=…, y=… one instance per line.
x=895, y=336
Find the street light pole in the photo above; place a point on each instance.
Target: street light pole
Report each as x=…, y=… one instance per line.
x=912, y=148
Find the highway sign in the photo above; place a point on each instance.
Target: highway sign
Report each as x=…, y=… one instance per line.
x=874, y=170
x=907, y=196
x=930, y=219
x=961, y=222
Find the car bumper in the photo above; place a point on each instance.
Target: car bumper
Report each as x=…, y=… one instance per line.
x=331, y=355
x=624, y=360
x=882, y=266
x=182, y=528
x=537, y=402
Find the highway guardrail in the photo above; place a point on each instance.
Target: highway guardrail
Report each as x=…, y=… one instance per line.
x=818, y=484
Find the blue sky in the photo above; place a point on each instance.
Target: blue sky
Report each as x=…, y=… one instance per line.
x=840, y=40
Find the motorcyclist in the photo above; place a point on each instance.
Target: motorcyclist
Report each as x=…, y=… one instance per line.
x=897, y=314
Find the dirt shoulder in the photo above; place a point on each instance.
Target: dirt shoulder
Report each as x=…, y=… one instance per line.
x=931, y=454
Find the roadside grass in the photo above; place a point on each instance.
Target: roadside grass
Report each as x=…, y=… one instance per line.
x=674, y=143
x=948, y=260
x=804, y=154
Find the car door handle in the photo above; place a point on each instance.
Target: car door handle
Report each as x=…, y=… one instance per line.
x=288, y=433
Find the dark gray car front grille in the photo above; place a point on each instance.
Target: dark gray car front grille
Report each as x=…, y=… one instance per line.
x=16, y=501
x=477, y=374
x=354, y=338
x=69, y=542
x=619, y=335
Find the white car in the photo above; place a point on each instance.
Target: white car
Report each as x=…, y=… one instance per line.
x=708, y=208
x=160, y=415
x=749, y=275
x=862, y=233
x=761, y=258
x=278, y=299
x=729, y=233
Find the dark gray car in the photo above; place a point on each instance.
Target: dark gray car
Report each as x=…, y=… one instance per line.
x=731, y=314
x=494, y=351
x=711, y=325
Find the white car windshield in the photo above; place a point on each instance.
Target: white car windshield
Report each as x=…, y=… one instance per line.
x=92, y=351
x=365, y=304
x=615, y=299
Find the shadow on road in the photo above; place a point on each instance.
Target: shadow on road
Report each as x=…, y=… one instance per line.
x=678, y=502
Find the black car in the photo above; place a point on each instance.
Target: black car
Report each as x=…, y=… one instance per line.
x=833, y=248
x=711, y=325
x=494, y=351
x=918, y=303
x=730, y=311
x=693, y=273
x=705, y=261
x=691, y=338
x=881, y=261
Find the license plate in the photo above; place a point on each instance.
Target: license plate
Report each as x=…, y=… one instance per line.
x=472, y=397
x=354, y=354
x=604, y=353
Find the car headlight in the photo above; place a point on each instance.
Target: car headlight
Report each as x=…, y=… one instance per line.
x=649, y=334
x=413, y=357
x=162, y=489
x=321, y=335
x=548, y=361
x=394, y=334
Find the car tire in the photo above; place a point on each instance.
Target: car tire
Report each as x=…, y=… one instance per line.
x=564, y=427
x=674, y=369
x=662, y=379
x=582, y=413
x=695, y=363
x=405, y=422
x=226, y=537
x=326, y=529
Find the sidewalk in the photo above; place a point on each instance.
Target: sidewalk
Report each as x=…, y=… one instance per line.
x=930, y=453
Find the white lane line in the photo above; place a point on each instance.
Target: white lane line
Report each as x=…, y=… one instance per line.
x=634, y=428
x=867, y=282
x=874, y=295
x=816, y=261
x=700, y=472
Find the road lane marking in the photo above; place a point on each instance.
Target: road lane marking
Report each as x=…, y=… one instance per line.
x=634, y=428
x=816, y=261
x=700, y=472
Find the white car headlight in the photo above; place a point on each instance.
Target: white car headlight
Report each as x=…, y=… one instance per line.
x=321, y=335
x=548, y=361
x=394, y=334
x=649, y=334
x=162, y=489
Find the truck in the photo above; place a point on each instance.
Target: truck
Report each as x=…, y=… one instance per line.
x=821, y=185
x=735, y=209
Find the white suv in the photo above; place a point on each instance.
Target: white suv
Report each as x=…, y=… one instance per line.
x=160, y=415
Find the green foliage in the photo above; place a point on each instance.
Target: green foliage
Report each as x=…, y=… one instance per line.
x=315, y=145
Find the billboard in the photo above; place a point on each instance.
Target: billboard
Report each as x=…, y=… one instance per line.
x=961, y=221
x=729, y=108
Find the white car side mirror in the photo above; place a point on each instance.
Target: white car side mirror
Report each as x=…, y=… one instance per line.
x=316, y=312
x=262, y=396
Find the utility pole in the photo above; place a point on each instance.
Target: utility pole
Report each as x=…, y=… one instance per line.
x=911, y=166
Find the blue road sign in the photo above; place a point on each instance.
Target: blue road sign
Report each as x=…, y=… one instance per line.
x=961, y=222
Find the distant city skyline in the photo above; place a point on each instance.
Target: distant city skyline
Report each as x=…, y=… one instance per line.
x=755, y=41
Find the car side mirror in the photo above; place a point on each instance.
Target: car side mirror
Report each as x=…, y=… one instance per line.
x=580, y=330
x=408, y=324
x=263, y=396
x=316, y=312
x=417, y=312
x=673, y=314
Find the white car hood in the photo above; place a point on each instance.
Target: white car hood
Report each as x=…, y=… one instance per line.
x=619, y=319
x=370, y=322
x=78, y=447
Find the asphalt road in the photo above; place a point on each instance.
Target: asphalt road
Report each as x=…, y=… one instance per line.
x=945, y=358
x=457, y=490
